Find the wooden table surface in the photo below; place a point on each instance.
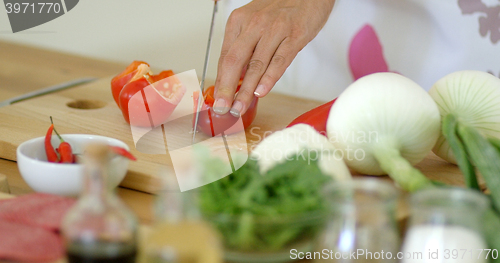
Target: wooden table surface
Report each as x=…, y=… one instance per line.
x=24, y=69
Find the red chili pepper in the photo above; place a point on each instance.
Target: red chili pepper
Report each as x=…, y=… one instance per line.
x=316, y=117
x=65, y=152
x=123, y=152
x=49, y=149
x=64, y=149
x=145, y=99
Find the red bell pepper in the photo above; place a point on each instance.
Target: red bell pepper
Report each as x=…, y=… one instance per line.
x=213, y=124
x=123, y=78
x=316, y=117
x=148, y=100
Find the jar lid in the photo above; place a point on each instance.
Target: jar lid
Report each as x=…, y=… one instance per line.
x=361, y=192
x=449, y=198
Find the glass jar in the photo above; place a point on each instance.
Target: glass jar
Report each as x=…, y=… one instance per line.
x=362, y=227
x=445, y=226
x=178, y=234
x=99, y=227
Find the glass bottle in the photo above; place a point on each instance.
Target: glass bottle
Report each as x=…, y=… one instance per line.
x=445, y=226
x=362, y=227
x=99, y=228
x=178, y=234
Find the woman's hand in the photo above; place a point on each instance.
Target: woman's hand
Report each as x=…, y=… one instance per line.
x=263, y=37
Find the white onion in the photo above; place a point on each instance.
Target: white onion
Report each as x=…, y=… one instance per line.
x=385, y=116
x=474, y=98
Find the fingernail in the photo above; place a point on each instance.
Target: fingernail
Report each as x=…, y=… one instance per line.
x=220, y=106
x=259, y=90
x=236, y=109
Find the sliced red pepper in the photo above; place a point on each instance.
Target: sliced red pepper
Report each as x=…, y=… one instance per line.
x=208, y=96
x=162, y=75
x=125, y=96
x=49, y=149
x=145, y=99
x=213, y=124
x=316, y=117
x=148, y=100
x=123, y=78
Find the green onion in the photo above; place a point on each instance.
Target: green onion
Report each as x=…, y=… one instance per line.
x=491, y=225
x=450, y=133
x=486, y=158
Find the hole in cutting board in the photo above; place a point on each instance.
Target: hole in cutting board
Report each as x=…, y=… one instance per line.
x=86, y=104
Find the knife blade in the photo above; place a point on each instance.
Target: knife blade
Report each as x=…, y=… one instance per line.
x=205, y=67
x=47, y=90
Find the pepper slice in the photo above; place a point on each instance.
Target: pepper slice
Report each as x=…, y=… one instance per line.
x=213, y=124
x=124, y=77
x=148, y=100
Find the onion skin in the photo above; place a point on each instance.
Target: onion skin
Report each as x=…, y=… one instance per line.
x=473, y=97
x=398, y=111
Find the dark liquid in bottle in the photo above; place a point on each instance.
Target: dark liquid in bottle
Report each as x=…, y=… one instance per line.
x=101, y=253
x=75, y=258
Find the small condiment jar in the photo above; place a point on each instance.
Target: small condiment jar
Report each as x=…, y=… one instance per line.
x=362, y=227
x=179, y=235
x=99, y=227
x=445, y=226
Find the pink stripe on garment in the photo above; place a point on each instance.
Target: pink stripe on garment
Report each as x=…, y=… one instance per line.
x=365, y=54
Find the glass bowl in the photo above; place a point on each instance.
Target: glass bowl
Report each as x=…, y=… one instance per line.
x=249, y=238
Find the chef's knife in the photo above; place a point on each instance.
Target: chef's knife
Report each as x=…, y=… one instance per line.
x=205, y=67
x=48, y=90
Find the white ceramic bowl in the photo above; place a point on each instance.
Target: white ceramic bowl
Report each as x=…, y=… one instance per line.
x=64, y=179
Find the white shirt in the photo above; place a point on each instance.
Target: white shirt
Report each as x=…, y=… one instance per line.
x=421, y=39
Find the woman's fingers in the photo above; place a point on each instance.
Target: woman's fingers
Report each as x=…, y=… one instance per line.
x=233, y=29
x=232, y=65
x=234, y=57
x=280, y=61
x=257, y=66
x=263, y=36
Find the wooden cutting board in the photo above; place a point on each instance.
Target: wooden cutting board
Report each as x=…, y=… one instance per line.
x=30, y=119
